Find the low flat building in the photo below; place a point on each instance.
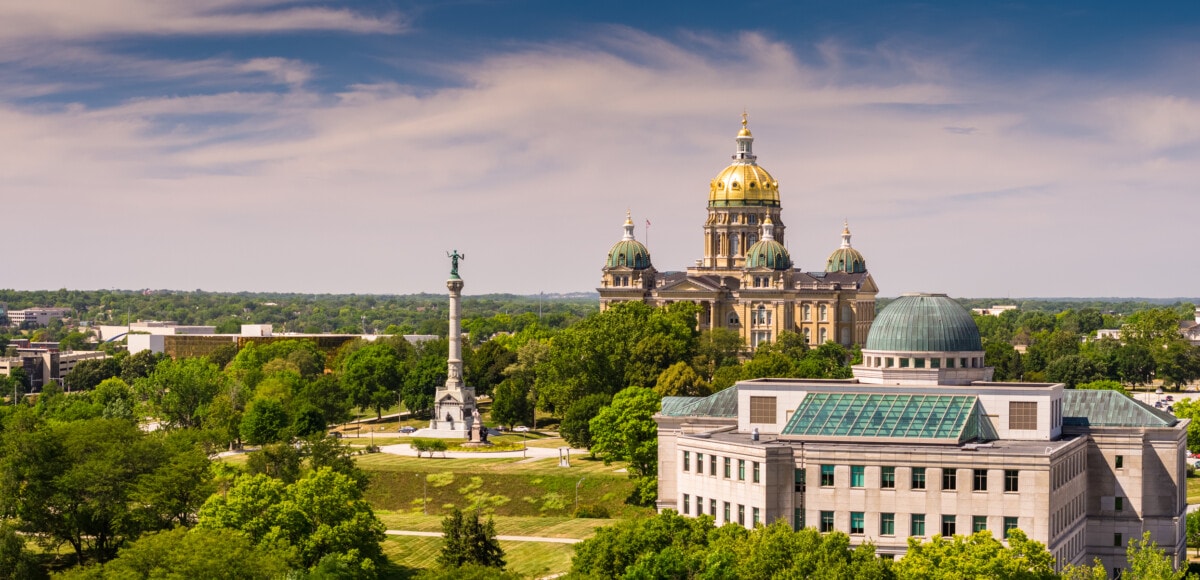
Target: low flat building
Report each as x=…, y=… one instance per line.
x=36, y=316
x=896, y=453
x=43, y=365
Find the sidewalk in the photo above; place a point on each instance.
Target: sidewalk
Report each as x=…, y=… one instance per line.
x=530, y=452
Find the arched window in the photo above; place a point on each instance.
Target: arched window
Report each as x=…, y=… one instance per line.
x=733, y=245
x=808, y=335
x=807, y=313
x=824, y=315
x=733, y=319
x=751, y=239
x=824, y=335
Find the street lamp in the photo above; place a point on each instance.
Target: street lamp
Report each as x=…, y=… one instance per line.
x=577, y=484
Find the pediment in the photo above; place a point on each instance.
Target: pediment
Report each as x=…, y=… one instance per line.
x=688, y=285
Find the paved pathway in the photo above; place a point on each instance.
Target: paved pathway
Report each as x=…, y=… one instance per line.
x=506, y=538
x=530, y=452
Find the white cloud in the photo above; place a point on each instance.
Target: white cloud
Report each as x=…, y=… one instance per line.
x=70, y=19
x=530, y=161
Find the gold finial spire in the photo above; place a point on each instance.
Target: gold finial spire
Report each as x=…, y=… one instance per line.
x=743, y=118
x=628, y=216
x=845, y=226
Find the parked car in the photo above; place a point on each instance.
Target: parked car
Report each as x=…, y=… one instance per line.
x=1196, y=464
x=408, y=429
x=1157, y=404
x=1169, y=398
x=521, y=429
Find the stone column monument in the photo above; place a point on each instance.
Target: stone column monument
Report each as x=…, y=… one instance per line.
x=453, y=404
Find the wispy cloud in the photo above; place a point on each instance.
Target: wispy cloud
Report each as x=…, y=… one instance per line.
x=546, y=146
x=72, y=20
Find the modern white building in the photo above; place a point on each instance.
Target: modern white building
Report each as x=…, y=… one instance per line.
x=920, y=443
x=36, y=316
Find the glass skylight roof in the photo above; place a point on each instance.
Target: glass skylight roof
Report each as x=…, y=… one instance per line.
x=949, y=418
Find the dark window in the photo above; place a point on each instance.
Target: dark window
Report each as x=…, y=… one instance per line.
x=1120, y=461
x=797, y=519
x=712, y=465
x=948, y=526
x=826, y=475
x=887, y=478
x=1022, y=415
x=762, y=409
x=858, y=477
x=741, y=515
x=978, y=523
x=687, y=460
x=1010, y=524
x=726, y=520
x=1118, y=503
x=757, y=472
x=754, y=522
x=949, y=479
x=741, y=470
x=918, y=525
x=800, y=484
x=712, y=508
x=699, y=506
x=826, y=521
x=1117, y=540
x=1011, y=480
x=700, y=463
x=727, y=462
x=918, y=478
x=887, y=524
x=980, y=480
x=857, y=523
x=687, y=503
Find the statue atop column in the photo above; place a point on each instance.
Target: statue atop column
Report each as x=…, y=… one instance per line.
x=454, y=413
x=454, y=258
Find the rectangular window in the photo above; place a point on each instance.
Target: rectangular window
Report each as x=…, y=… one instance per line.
x=687, y=503
x=858, y=476
x=712, y=508
x=918, y=479
x=887, y=524
x=826, y=476
x=797, y=519
x=826, y=521
x=1118, y=503
x=800, y=484
x=935, y=363
x=762, y=409
x=949, y=526
x=949, y=363
x=1010, y=524
x=727, y=462
x=919, y=363
x=1117, y=540
x=699, y=506
x=741, y=470
x=949, y=479
x=904, y=363
x=918, y=525
x=978, y=523
x=1011, y=481
x=712, y=465
x=857, y=523
x=700, y=463
x=980, y=480
x=726, y=520
x=741, y=515
x=754, y=516
x=887, y=478
x=1120, y=461
x=687, y=460
x=756, y=471
x=1022, y=416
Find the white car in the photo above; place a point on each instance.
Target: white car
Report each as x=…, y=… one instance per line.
x=521, y=429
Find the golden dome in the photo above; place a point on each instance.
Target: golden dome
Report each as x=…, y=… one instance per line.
x=743, y=184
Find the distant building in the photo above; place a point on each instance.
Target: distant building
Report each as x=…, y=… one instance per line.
x=1191, y=329
x=204, y=344
x=42, y=364
x=36, y=316
x=746, y=280
x=995, y=310
x=919, y=443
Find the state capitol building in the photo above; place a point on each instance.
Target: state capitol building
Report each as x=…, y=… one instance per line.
x=746, y=280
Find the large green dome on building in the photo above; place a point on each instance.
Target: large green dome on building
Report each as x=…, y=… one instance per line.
x=924, y=323
x=629, y=253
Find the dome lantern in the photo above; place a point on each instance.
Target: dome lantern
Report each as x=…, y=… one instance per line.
x=628, y=253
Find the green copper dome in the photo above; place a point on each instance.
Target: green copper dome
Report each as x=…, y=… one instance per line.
x=846, y=260
x=768, y=254
x=629, y=254
x=924, y=323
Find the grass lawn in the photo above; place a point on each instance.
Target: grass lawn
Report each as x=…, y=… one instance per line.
x=530, y=559
x=549, y=527
x=1193, y=489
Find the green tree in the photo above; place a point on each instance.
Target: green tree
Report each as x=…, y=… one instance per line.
x=91, y=372
x=1190, y=409
x=1193, y=530
x=511, y=403
x=1149, y=562
x=1178, y=363
x=278, y=460
x=1103, y=386
x=327, y=395
x=139, y=365
x=976, y=556
x=116, y=398
x=488, y=364
x=576, y=423
x=373, y=375
x=216, y=554
x=717, y=348
x=1005, y=359
x=467, y=540
x=265, y=421
x=16, y=563
x=626, y=431
x=321, y=515
x=1084, y=572
x=180, y=390
x=1135, y=364
x=680, y=380
x=1073, y=369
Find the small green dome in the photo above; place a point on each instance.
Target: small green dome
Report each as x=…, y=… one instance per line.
x=629, y=254
x=846, y=260
x=768, y=254
x=924, y=323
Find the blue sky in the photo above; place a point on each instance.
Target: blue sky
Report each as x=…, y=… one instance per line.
x=980, y=149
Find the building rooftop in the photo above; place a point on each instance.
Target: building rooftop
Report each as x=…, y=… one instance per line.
x=937, y=418
x=924, y=323
x=1087, y=408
